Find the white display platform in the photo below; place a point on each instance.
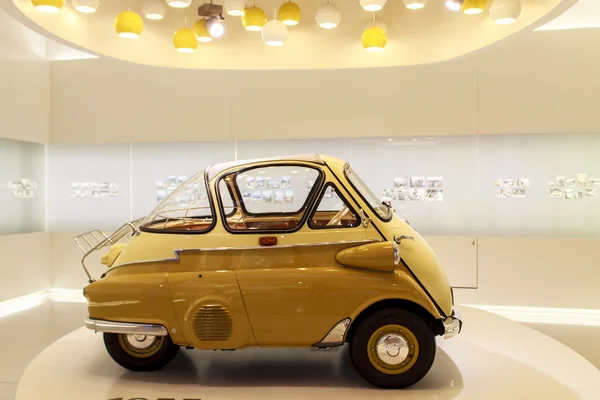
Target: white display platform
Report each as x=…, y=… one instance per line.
x=493, y=358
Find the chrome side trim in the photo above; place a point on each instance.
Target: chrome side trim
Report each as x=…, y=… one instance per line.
x=98, y=325
x=335, y=337
x=284, y=246
x=452, y=324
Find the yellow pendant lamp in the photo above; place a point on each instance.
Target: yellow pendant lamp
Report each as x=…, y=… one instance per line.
x=473, y=7
x=185, y=40
x=289, y=13
x=129, y=25
x=202, y=31
x=254, y=19
x=374, y=39
x=48, y=6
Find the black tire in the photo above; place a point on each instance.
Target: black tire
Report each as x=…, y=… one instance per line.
x=165, y=350
x=386, y=321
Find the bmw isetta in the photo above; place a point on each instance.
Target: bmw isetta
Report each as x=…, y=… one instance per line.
x=285, y=252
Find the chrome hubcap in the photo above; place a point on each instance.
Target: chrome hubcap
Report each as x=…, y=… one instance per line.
x=392, y=349
x=140, y=341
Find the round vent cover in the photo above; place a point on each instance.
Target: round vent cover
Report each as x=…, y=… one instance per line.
x=212, y=322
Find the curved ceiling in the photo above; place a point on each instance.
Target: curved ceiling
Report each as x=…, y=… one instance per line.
x=423, y=36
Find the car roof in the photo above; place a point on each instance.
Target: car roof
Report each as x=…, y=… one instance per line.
x=216, y=169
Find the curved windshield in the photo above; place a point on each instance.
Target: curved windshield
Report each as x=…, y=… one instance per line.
x=188, y=209
x=383, y=212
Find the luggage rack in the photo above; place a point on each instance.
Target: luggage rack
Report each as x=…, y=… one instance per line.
x=91, y=241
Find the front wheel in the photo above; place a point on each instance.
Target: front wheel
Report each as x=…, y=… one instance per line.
x=140, y=352
x=393, y=348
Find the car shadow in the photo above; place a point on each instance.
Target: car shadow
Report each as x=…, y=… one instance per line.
x=283, y=367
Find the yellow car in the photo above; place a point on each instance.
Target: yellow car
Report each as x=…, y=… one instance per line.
x=283, y=252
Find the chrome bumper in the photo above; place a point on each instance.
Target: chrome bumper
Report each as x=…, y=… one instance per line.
x=453, y=324
x=98, y=325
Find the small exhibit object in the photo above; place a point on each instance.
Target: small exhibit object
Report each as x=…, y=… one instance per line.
x=95, y=190
x=511, y=188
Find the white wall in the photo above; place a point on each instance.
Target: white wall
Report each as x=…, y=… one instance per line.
x=24, y=83
x=542, y=82
x=25, y=264
x=537, y=272
x=24, y=115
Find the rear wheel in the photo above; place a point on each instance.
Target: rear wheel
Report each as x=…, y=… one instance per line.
x=393, y=348
x=140, y=352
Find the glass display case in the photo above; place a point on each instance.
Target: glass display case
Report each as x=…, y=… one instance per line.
x=22, y=187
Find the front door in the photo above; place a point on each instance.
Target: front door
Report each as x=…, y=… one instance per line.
x=295, y=291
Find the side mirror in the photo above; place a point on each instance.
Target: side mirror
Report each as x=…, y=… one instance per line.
x=364, y=219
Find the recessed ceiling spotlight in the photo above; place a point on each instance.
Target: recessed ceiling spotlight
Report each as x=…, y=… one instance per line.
x=415, y=4
x=154, y=9
x=86, y=6
x=372, y=5
x=454, y=5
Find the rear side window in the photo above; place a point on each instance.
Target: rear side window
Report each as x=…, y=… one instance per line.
x=272, y=198
x=187, y=210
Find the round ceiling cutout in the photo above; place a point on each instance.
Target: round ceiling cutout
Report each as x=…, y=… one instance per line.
x=416, y=31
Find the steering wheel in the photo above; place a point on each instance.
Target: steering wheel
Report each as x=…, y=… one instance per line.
x=337, y=218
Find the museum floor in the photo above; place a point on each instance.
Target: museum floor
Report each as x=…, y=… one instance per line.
x=462, y=370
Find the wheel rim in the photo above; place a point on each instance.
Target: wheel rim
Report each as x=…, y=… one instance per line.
x=393, y=349
x=141, y=346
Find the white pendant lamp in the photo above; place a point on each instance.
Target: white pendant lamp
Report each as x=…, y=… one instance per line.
x=86, y=6
x=328, y=16
x=235, y=8
x=372, y=5
x=505, y=12
x=179, y=3
x=454, y=5
x=154, y=9
x=275, y=33
x=415, y=4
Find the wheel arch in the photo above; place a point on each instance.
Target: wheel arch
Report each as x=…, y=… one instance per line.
x=437, y=325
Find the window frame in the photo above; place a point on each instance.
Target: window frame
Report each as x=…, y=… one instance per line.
x=177, y=232
x=388, y=219
x=346, y=202
x=307, y=203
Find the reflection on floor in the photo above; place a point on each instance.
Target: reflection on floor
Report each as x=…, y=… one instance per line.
x=583, y=339
x=24, y=335
x=493, y=358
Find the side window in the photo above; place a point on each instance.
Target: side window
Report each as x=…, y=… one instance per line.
x=333, y=211
x=268, y=198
